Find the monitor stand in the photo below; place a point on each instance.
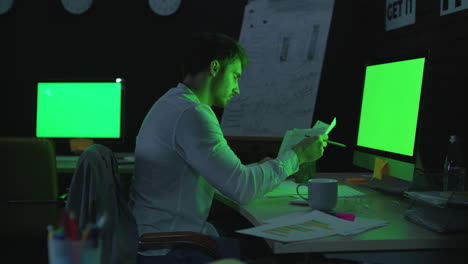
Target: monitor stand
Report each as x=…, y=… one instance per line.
x=78, y=145
x=388, y=184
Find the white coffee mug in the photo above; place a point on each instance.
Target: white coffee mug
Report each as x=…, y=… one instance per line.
x=322, y=195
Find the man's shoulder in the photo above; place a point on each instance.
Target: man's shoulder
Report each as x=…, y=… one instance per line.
x=180, y=95
x=197, y=111
x=177, y=98
x=181, y=102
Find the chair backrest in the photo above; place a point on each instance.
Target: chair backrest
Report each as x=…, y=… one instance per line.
x=30, y=169
x=97, y=188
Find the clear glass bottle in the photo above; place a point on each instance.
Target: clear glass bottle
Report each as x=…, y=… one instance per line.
x=454, y=169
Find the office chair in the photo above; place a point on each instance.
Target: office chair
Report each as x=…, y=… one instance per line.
x=29, y=195
x=31, y=174
x=97, y=188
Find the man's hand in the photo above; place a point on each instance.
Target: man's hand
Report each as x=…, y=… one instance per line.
x=310, y=148
x=264, y=160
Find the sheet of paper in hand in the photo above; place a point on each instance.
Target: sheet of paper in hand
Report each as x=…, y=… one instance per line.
x=295, y=135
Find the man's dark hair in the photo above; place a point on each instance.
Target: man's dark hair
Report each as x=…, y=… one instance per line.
x=204, y=47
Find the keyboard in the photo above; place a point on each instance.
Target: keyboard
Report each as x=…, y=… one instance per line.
x=346, y=191
x=124, y=157
x=74, y=159
x=391, y=188
x=67, y=158
x=126, y=160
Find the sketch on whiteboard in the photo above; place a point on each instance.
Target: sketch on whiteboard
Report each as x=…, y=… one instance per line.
x=285, y=42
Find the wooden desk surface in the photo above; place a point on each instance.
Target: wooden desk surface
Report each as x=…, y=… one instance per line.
x=399, y=234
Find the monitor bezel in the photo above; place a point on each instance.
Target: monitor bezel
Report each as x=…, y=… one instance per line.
x=105, y=140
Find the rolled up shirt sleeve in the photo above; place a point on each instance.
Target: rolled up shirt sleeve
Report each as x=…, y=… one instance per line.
x=199, y=140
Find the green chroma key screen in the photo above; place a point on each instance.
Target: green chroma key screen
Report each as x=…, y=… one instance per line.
x=79, y=109
x=390, y=106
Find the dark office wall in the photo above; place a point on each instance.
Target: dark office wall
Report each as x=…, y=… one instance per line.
x=351, y=38
x=443, y=112
x=119, y=38
x=115, y=38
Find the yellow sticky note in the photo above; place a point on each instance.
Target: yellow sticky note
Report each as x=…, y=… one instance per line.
x=380, y=167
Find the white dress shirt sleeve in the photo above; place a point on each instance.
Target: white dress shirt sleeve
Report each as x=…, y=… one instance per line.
x=199, y=140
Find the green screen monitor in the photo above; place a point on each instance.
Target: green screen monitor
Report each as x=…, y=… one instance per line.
x=91, y=110
x=388, y=121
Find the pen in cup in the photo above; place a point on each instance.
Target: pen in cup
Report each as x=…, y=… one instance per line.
x=50, y=231
x=73, y=226
x=333, y=142
x=85, y=233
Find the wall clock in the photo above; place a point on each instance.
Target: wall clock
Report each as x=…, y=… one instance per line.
x=77, y=7
x=5, y=6
x=164, y=7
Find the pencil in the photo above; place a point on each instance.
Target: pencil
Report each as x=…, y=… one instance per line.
x=333, y=142
x=336, y=143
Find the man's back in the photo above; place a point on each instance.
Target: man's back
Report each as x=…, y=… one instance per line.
x=163, y=180
x=181, y=156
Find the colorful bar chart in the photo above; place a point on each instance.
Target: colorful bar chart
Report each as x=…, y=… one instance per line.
x=309, y=226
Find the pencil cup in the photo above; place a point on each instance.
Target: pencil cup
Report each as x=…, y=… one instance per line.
x=322, y=193
x=65, y=251
x=306, y=172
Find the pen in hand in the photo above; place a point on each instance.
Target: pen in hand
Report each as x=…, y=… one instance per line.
x=336, y=143
x=333, y=142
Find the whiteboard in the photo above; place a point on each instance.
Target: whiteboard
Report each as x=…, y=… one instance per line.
x=285, y=41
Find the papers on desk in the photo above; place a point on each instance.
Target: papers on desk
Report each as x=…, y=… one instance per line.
x=310, y=225
x=439, y=211
x=439, y=219
x=440, y=199
x=294, y=136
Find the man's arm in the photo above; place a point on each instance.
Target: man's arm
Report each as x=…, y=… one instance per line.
x=311, y=148
x=264, y=160
x=200, y=142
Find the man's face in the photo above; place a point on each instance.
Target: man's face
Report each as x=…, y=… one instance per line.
x=225, y=83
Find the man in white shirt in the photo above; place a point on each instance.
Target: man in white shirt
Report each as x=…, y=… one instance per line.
x=182, y=157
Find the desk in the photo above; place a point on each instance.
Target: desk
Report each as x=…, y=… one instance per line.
x=398, y=235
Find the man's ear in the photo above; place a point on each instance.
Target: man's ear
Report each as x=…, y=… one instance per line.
x=214, y=67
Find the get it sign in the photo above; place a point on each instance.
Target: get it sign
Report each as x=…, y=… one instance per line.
x=399, y=13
